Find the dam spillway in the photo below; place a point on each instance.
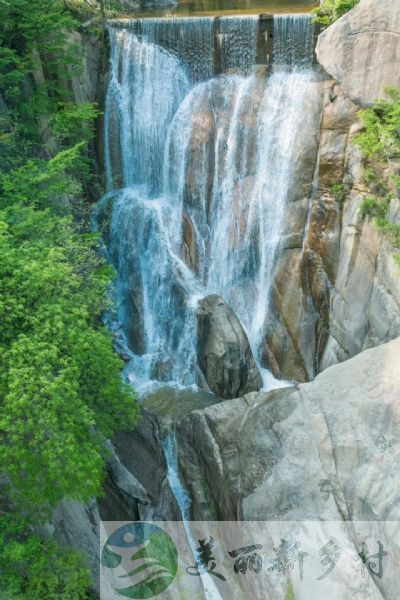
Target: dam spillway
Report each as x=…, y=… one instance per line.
x=210, y=45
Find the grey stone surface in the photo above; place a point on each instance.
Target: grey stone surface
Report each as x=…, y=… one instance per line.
x=223, y=350
x=336, y=290
x=265, y=454
x=77, y=525
x=362, y=50
x=325, y=450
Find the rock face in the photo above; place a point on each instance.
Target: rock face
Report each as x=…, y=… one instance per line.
x=86, y=84
x=265, y=455
x=336, y=290
x=78, y=526
x=223, y=351
x=323, y=450
x=136, y=488
x=361, y=50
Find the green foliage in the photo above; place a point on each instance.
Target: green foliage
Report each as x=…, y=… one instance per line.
x=61, y=391
x=60, y=380
x=379, y=142
x=38, y=182
x=73, y=123
x=369, y=175
x=34, y=568
x=340, y=191
x=380, y=138
x=378, y=209
x=37, y=59
x=371, y=207
x=85, y=9
x=29, y=27
x=390, y=230
x=331, y=10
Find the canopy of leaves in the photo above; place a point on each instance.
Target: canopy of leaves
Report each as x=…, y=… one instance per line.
x=60, y=381
x=331, y=10
x=61, y=391
x=34, y=568
x=29, y=26
x=38, y=57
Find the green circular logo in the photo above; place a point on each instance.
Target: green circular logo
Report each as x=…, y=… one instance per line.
x=143, y=560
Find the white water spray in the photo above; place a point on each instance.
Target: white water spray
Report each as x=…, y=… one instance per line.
x=219, y=156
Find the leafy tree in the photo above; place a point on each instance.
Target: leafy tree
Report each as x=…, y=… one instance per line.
x=61, y=391
x=37, y=60
x=34, y=568
x=380, y=138
x=28, y=28
x=380, y=143
x=331, y=10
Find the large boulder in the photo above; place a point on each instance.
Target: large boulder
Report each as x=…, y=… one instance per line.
x=322, y=452
x=270, y=451
x=362, y=50
x=344, y=426
x=223, y=350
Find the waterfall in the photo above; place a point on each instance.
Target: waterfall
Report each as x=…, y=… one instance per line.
x=183, y=501
x=293, y=41
x=181, y=495
x=200, y=43
x=238, y=42
x=193, y=43
x=147, y=84
x=208, y=167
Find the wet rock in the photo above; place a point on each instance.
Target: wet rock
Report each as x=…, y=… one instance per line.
x=138, y=470
x=224, y=353
x=132, y=315
x=161, y=369
x=335, y=291
x=189, y=249
x=170, y=404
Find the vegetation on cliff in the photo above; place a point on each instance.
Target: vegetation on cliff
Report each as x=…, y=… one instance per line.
x=61, y=390
x=380, y=144
x=331, y=10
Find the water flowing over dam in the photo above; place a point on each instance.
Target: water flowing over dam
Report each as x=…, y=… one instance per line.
x=203, y=149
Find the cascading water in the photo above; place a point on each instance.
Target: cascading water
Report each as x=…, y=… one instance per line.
x=238, y=42
x=207, y=171
x=147, y=84
x=293, y=42
x=183, y=500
